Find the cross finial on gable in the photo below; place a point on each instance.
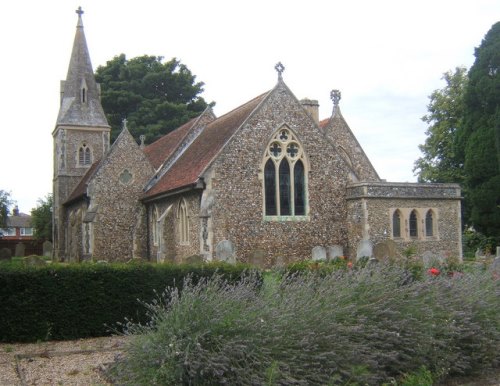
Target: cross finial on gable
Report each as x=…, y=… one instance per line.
x=124, y=123
x=335, y=95
x=279, y=68
x=79, y=11
x=142, y=138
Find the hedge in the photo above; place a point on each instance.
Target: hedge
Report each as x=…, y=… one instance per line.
x=63, y=302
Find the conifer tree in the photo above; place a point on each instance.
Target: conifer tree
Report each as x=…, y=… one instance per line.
x=478, y=141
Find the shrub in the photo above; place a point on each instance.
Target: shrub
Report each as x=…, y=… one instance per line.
x=86, y=300
x=364, y=326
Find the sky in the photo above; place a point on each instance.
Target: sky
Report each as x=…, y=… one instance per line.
x=386, y=57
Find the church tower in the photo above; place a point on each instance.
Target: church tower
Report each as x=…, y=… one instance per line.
x=81, y=134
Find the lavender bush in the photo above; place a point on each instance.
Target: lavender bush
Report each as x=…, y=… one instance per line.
x=366, y=326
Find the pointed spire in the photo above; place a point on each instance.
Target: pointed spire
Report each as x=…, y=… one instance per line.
x=80, y=103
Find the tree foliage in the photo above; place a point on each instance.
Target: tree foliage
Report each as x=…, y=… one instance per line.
x=41, y=219
x=154, y=97
x=5, y=203
x=478, y=141
x=440, y=161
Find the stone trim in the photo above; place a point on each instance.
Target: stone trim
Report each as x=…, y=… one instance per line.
x=392, y=190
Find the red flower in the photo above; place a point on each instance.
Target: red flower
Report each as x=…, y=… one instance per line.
x=349, y=264
x=434, y=271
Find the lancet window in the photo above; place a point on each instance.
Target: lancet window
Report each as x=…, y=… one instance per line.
x=84, y=155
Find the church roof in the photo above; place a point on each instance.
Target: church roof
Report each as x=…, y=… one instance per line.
x=80, y=104
x=81, y=189
x=188, y=168
x=160, y=150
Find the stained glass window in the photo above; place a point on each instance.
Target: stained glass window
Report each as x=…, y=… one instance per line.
x=284, y=181
x=270, y=188
x=298, y=176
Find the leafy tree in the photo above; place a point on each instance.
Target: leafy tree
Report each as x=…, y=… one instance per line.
x=41, y=219
x=154, y=97
x=5, y=203
x=478, y=140
x=440, y=161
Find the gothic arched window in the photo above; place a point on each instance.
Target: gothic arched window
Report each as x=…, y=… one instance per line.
x=84, y=155
x=182, y=215
x=413, y=224
x=396, y=224
x=285, y=176
x=429, y=224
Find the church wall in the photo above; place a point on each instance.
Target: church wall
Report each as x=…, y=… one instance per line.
x=168, y=246
x=371, y=206
x=237, y=183
x=119, y=228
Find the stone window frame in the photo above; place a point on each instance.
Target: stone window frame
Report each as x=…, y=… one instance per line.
x=401, y=222
x=283, y=138
x=84, y=155
x=433, y=223
x=420, y=213
x=183, y=222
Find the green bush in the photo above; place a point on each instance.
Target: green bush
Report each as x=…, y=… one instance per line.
x=364, y=326
x=62, y=302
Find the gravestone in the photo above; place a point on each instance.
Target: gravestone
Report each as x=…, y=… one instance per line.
x=194, y=259
x=225, y=252
x=334, y=251
x=257, y=257
x=393, y=249
x=318, y=253
x=365, y=249
x=495, y=266
x=5, y=254
x=498, y=253
x=381, y=252
x=47, y=248
x=34, y=261
x=20, y=249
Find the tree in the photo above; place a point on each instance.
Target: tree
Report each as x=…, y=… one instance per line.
x=154, y=97
x=478, y=140
x=5, y=203
x=41, y=219
x=440, y=161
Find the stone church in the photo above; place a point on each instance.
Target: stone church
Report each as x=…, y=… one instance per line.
x=266, y=183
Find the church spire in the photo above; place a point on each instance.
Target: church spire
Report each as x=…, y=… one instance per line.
x=80, y=103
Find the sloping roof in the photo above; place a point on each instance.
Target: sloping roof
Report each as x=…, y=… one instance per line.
x=160, y=150
x=193, y=162
x=81, y=189
x=74, y=110
x=21, y=221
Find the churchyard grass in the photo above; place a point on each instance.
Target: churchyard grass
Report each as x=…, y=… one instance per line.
x=373, y=325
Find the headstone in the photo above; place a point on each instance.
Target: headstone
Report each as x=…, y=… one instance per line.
x=257, y=257
x=5, y=254
x=34, y=261
x=47, y=248
x=495, y=266
x=365, y=249
x=334, y=251
x=498, y=253
x=20, y=250
x=225, y=252
x=318, y=253
x=393, y=249
x=194, y=259
x=381, y=252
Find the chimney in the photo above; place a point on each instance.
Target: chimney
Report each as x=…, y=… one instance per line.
x=15, y=211
x=312, y=107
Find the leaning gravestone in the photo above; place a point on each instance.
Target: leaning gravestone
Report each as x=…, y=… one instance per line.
x=334, y=251
x=5, y=254
x=20, y=250
x=365, y=249
x=34, y=261
x=381, y=252
x=47, y=248
x=257, y=257
x=225, y=252
x=318, y=253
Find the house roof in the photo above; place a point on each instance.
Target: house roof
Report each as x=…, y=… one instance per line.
x=194, y=161
x=21, y=221
x=160, y=150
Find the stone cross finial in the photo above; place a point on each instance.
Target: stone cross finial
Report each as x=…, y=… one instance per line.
x=79, y=11
x=335, y=95
x=279, y=68
x=124, y=123
x=142, y=138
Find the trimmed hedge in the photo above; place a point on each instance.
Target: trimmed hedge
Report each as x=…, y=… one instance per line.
x=62, y=302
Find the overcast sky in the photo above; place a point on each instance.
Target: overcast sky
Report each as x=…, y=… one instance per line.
x=385, y=56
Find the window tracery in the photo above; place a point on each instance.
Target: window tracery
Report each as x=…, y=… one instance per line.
x=84, y=155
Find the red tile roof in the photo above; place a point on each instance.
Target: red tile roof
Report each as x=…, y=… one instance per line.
x=195, y=159
x=324, y=122
x=161, y=149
